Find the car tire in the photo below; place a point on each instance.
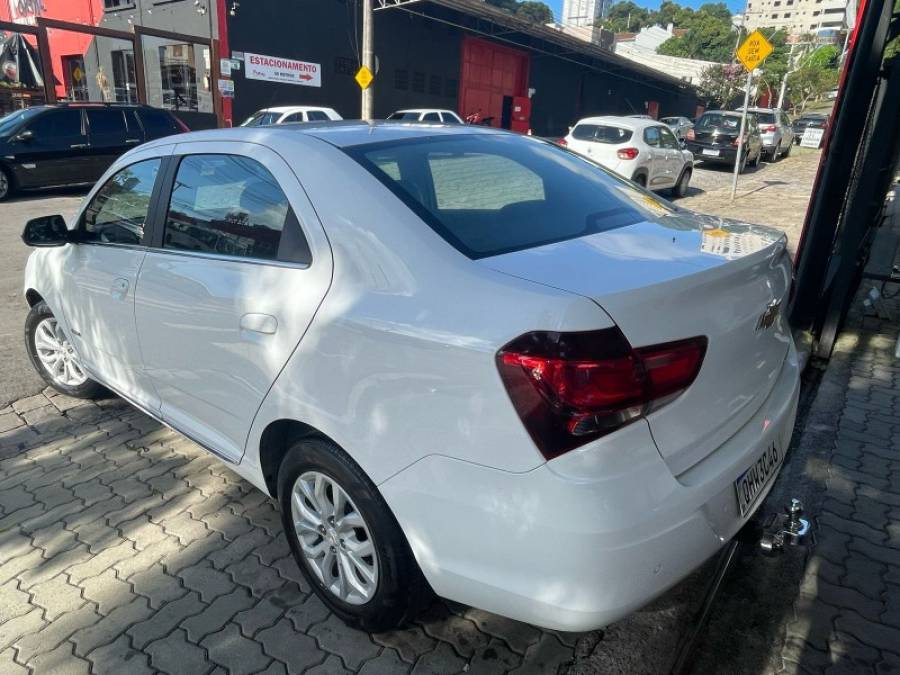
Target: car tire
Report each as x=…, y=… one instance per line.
x=743, y=165
x=758, y=159
x=46, y=344
x=681, y=187
x=641, y=180
x=393, y=589
x=6, y=184
x=787, y=150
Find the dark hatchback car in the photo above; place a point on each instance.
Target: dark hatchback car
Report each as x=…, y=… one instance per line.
x=714, y=138
x=70, y=144
x=808, y=121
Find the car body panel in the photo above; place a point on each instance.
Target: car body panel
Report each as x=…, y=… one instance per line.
x=775, y=129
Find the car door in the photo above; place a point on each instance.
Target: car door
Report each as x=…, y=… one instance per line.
x=234, y=277
x=657, y=165
x=52, y=151
x=674, y=158
x=109, y=137
x=100, y=276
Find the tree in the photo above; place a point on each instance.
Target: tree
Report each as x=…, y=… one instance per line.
x=530, y=10
x=815, y=75
x=720, y=83
x=625, y=17
x=708, y=40
x=536, y=12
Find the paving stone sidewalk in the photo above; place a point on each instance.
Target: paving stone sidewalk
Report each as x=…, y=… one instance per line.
x=125, y=548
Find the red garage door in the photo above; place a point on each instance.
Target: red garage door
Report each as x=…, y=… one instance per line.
x=492, y=78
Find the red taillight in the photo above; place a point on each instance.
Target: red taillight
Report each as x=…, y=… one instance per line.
x=627, y=153
x=690, y=134
x=570, y=388
x=563, y=142
x=770, y=129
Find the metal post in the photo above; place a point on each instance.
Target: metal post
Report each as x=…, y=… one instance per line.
x=368, y=58
x=785, y=78
x=740, y=148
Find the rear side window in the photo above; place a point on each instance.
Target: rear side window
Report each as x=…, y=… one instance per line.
x=487, y=195
x=157, y=123
x=601, y=133
x=117, y=213
x=431, y=117
x=651, y=136
x=408, y=116
x=228, y=205
x=316, y=116
x=450, y=119
x=106, y=122
x=263, y=118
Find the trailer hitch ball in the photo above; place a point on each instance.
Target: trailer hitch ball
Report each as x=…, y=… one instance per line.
x=791, y=530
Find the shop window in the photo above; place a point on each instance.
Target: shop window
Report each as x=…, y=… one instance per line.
x=434, y=85
x=75, y=76
x=113, y=5
x=401, y=79
x=418, y=83
x=179, y=76
x=124, y=80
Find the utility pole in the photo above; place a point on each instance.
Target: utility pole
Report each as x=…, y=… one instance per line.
x=785, y=77
x=368, y=58
x=740, y=147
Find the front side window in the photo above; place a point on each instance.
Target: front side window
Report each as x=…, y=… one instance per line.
x=226, y=204
x=450, y=119
x=668, y=138
x=56, y=124
x=317, y=116
x=117, y=213
x=488, y=195
x=431, y=117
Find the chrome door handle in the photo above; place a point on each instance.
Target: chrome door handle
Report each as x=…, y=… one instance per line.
x=78, y=146
x=119, y=289
x=259, y=323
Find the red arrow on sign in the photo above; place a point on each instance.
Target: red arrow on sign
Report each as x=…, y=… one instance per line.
x=305, y=77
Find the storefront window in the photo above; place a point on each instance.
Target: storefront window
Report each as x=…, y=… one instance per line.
x=177, y=74
x=124, y=79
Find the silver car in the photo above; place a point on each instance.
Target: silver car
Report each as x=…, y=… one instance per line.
x=775, y=130
x=679, y=126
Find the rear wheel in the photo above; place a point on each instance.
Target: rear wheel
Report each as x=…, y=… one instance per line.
x=6, y=186
x=641, y=180
x=681, y=187
x=53, y=356
x=787, y=150
x=743, y=165
x=345, y=539
x=758, y=159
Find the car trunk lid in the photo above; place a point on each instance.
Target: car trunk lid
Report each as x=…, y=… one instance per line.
x=676, y=277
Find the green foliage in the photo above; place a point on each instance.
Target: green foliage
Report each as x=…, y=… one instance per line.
x=721, y=83
x=626, y=17
x=536, y=12
x=815, y=74
x=709, y=39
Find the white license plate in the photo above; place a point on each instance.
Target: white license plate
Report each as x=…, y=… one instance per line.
x=711, y=153
x=751, y=483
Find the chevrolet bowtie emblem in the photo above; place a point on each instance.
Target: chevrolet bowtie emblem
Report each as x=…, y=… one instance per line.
x=767, y=318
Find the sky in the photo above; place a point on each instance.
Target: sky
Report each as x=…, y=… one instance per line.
x=733, y=5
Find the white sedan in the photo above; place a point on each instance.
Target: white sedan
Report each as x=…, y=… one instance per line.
x=285, y=114
x=462, y=360
x=433, y=115
x=642, y=150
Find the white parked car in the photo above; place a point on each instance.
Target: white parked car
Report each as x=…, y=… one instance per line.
x=285, y=114
x=434, y=115
x=642, y=150
x=461, y=359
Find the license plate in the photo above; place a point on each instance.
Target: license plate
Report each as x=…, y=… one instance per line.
x=751, y=483
x=711, y=153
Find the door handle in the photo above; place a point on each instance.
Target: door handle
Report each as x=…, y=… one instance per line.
x=259, y=323
x=119, y=289
x=78, y=146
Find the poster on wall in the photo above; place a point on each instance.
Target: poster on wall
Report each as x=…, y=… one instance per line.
x=277, y=69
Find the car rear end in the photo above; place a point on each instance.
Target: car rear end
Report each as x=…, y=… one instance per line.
x=769, y=130
x=613, y=145
x=714, y=137
x=658, y=414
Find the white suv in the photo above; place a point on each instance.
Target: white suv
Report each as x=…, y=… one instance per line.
x=286, y=114
x=434, y=115
x=461, y=359
x=642, y=150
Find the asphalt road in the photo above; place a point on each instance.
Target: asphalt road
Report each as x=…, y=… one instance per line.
x=17, y=378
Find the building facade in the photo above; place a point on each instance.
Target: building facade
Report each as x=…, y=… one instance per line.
x=821, y=18
x=583, y=12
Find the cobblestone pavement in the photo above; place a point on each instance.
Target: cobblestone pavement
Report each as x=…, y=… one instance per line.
x=128, y=549
x=775, y=193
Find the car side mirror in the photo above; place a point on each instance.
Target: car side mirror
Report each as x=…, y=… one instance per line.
x=24, y=136
x=46, y=231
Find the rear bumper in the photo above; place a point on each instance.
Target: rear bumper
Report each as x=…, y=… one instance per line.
x=726, y=153
x=590, y=537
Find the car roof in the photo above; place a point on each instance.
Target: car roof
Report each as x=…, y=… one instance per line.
x=422, y=110
x=293, y=108
x=632, y=123
x=342, y=134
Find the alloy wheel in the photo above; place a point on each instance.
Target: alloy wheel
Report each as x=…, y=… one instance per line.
x=57, y=355
x=334, y=538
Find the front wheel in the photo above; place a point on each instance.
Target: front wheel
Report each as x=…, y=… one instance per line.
x=53, y=357
x=6, y=186
x=681, y=187
x=345, y=539
x=787, y=150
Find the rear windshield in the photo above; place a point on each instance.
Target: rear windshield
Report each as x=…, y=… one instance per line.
x=404, y=116
x=671, y=120
x=487, y=195
x=765, y=117
x=601, y=133
x=262, y=119
x=718, y=121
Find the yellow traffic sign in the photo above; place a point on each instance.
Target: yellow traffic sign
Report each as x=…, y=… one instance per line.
x=364, y=77
x=77, y=74
x=754, y=50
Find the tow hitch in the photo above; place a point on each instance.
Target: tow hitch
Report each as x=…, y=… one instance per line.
x=790, y=529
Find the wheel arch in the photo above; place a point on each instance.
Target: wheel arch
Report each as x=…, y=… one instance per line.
x=276, y=440
x=32, y=297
